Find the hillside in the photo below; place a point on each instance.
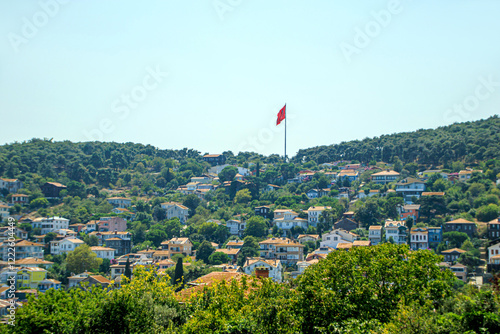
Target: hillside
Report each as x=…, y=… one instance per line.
x=467, y=142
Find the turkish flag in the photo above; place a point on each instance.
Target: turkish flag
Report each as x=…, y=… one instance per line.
x=281, y=115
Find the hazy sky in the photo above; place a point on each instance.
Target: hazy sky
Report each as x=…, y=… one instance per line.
x=212, y=75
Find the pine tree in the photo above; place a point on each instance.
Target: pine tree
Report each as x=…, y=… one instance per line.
x=128, y=272
x=179, y=274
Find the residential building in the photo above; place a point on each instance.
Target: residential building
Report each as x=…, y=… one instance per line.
x=283, y=249
x=52, y=189
x=303, y=238
x=314, y=214
x=111, y=224
x=7, y=231
x=349, y=174
x=120, y=202
x=91, y=226
x=96, y=280
x=232, y=253
x=493, y=250
x=435, y=236
x=419, y=238
x=30, y=277
x=395, y=230
x=120, y=243
x=274, y=267
x=215, y=159
x=34, y=262
x=289, y=220
x=75, y=280
x=452, y=255
x=346, y=224
x=236, y=227
x=4, y=212
x=262, y=211
x=410, y=188
x=460, y=271
x=49, y=283
x=465, y=175
x=77, y=228
x=408, y=210
x=23, y=249
x=180, y=246
x=58, y=247
x=375, y=234
x=494, y=229
x=234, y=244
x=50, y=224
x=174, y=209
x=104, y=252
x=461, y=225
x=384, y=177
x=20, y=199
x=333, y=238
x=303, y=265
x=11, y=185
x=317, y=193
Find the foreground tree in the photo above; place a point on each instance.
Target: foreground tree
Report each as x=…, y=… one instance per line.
x=82, y=259
x=368, y=283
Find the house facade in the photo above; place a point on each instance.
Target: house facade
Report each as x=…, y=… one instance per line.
x=375, y=234
x=236, y=227
x=384, y=177
x=461, y=225
x=274, y=267
x=120, y=202
x=314, y=213
x=452, y=255
x=494, y=229
x=50, y=224
x=174, y=209
x=104, y=252
x=58, y=247
x=410, y=188
x=419, y=238
x=346, y=224
x=52, y=189
x=11, y=185
x=111, y=224
x=283, y=249
x=408, y=210
x=396, y=230
x=215, y=159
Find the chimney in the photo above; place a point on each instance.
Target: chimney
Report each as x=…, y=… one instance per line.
x=261, y=272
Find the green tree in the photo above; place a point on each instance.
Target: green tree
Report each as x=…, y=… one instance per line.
x=217, y=258
x=228, y=173
x=455, y=239
x=204, y=251
x=256, y=227
x=82, y=259
x=368, y=283
x=128, y=271
x=179, y=274
x=243, y=196
x=487, y=213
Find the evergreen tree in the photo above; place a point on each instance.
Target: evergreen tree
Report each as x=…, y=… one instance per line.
x=128, y=272
x=179, y=274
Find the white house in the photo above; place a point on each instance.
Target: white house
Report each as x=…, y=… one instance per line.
x=396, y=230
x=290, y=220
x=375, y=234
x=409, y=188
x=120, y=202
x=333, y=238
x=236, y=227
x=174, y=209
x=50, y=224
x=313, y=214
x=104, y=252
x=494, y=250
x=274, y=266
x=65, y=245
x=419, y=238
x=12, y=185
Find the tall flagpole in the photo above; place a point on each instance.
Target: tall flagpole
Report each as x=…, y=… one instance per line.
x=285, y=132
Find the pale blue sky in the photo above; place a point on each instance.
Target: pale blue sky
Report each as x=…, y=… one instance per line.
x=229, y=72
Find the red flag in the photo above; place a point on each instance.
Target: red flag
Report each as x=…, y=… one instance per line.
x=281, y=115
